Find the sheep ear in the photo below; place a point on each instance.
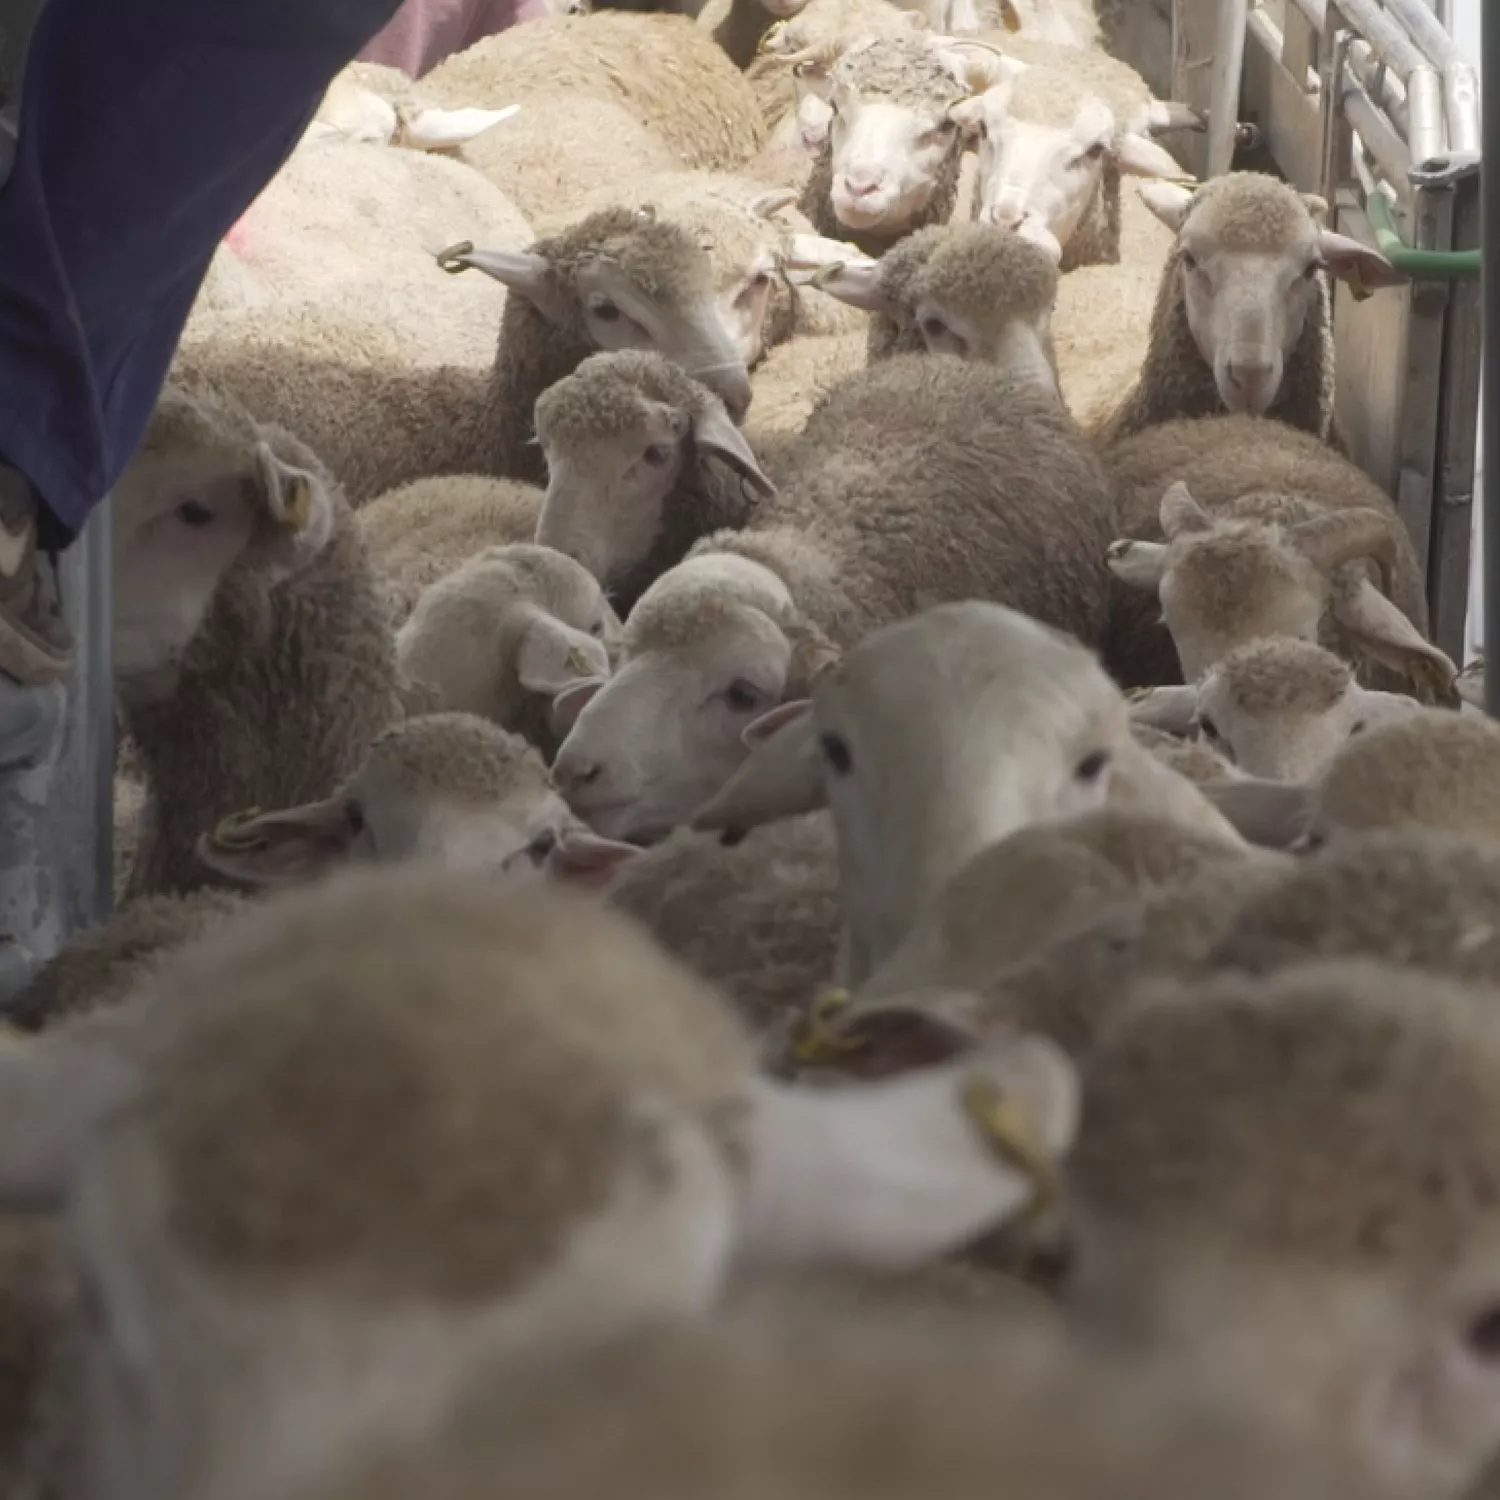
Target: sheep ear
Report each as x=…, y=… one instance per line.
x=1181, y=515
x=893, y=1174
x=1382, y=632
x=891, y=1036
x=281, y=848
x=1162, y=115
x=856, y=282
x=54, y=1092
x=714, y=433
x=583, y=858
x=768, y=205
x=1139, y=156
x=524, y=272
x=1169, y=201
x=571, y=702
x=814, y=122
x=554, y=656
x=1140, y=564
x=299, y=504
x=442, y=129
x=1170, y=708
x=1362, y=267
x=782, y=776
x=1270, y=814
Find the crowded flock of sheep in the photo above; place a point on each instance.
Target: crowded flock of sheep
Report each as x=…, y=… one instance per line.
x=786, y=827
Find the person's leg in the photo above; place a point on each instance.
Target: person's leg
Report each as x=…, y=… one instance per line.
x=146, y=129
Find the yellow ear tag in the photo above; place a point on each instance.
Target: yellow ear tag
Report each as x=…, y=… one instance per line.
x=576, y=661
x=1005, y=1127
x=227, y=834
x=298, y=510
x=814, y=1040
x=771, y=38
x=1356, y=284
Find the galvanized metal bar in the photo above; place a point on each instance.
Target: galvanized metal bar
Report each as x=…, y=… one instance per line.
x=1462, y=105
x=1391, y=43
x=1380, y=83
x=1385, y=147
x=1312, y=10
x=1336, y=139
x=1427, y=116
x=1224, y=92
x=1426, y=31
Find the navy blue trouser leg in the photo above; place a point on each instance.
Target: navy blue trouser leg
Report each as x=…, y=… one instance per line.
x=147, y=127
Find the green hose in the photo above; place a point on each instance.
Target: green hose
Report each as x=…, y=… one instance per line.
x=1420, y=265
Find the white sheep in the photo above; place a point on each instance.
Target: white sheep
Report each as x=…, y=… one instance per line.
x=790, y=382
x=1243, y=319
x=1056, y=136
x=919, y=480
x=668, y=72
x=253, y=659
x=420, y=532
x=379, y=105
x=405, y=1122
x=614, y=280
x=1278, y=708
x=1290, y=1181
x=642, y=462
x=1267, y=532
x=926, y=704
x=502, y=634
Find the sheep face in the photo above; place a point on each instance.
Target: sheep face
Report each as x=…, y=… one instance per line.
x=1249, y=268
x=1035, y=176
x=204, y=494
x=449, y=788
x=637, y=456
x=943, y=734
x=1254, y=1149
x=1282, y=709
x=507, y=631
x=667, y=730
x=893, y=136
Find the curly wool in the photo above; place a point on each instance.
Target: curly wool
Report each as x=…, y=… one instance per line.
x=1276, y=675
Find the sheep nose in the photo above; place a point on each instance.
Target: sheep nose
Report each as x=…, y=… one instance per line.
x=860, y=182
x=1252, y=381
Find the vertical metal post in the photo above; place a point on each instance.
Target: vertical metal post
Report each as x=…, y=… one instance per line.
x=1489, y=41
x=1224, y=94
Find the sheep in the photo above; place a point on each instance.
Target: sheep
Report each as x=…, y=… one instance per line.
x=1195, y=760
x=1253, y=1152
x=504, y=633
x=790, y=382
x=558, y=150
x=1101, y=325
x=371, y=103
x=749, y=232
x=642, y=461
x=786, y=1396
x=102, y=965
x=345, y=228
x=1279, y=707
x=1054, y=139
x=616, y=279
x=668, y=72
x=891, y=161
x=1428, y=768
x=920, y=480
x=420, y=532
x=253, y=660
x=921, y=704
x=405, y=1121
x=1270, y=533
x=759, y=918
x=965, y=289
x=1243, y=319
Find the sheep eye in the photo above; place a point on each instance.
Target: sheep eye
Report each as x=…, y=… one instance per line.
x=354, y=814
x=1209, y=730
x=742, y=696
x=984, y=131
x=934, y=328
x=836, y=752
x=603, y=309
x=194, y=513
x=1096, y=151
x=1483, y=1336
x=541, y=846
x=1189, y=261
x=1358, y=727
x=1091, y=767
x=597, y=628
x=657, y=455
